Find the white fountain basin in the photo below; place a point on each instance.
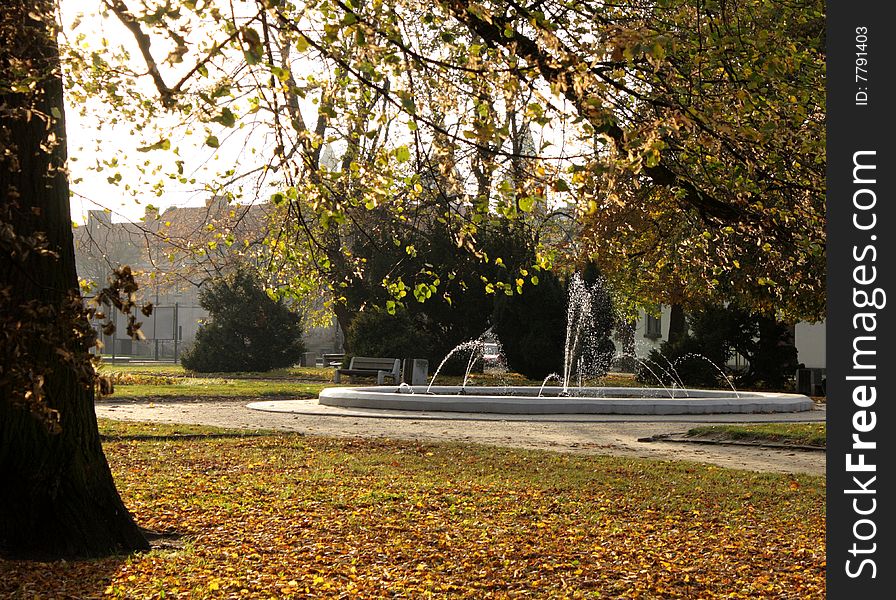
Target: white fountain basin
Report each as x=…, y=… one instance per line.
x=586, y=400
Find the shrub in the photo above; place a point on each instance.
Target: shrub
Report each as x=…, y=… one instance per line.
x=247, y=331
x=715, y=334
x=599, y=352
x=682, y=362
x=375, y=332
x=532, y=328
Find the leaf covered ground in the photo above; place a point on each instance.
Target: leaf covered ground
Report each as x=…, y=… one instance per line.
x=288, y=516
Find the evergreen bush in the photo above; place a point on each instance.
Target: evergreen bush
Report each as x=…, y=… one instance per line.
x=246, y=331
x=532, y=328
x=715, y=334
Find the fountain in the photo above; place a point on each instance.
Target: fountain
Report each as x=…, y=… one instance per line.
x=563, y=398
x=584, y=400
x=486, y=348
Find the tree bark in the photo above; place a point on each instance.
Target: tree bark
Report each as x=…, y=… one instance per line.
x=344, y=318
x=57, y=495
x=678, y=326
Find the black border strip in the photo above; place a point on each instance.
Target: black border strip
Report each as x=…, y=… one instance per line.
x=861, y=48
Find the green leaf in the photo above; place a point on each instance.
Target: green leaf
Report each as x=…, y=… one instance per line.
x=527, y=203
x=163, y=144
x=282, y=75
x=226, y=118
x=402, y=154
x=212, y=141
x=560, y=185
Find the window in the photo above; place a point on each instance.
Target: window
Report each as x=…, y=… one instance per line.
x=653, y=327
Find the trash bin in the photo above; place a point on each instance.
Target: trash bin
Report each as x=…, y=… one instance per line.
x=810, y=382
x=415, y=371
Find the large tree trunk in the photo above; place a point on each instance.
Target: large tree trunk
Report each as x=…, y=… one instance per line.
x=57, y=495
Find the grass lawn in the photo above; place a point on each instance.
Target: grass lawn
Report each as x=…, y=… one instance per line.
x=802, y=434
x=169, y=381
x=289, y=516
x=200, y=387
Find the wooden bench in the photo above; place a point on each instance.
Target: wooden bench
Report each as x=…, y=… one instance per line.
x=368, y=366
x=333, y=360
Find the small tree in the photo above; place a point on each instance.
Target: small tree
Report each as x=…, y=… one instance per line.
x=375, y=332
x=248, y=330
x=600, y=351
x=532, y=327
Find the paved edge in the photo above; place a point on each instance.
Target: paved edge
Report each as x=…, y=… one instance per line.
x=313, y=407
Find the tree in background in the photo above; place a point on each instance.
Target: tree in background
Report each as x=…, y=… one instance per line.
x=599, y=353
x=688, y=136
x=247, y=331
x=376, y=332
x=532, y=327
x=715, y=334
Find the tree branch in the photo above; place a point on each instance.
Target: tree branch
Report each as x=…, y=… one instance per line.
x=143, y=41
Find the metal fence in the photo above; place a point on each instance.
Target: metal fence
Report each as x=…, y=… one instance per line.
x=167, y=331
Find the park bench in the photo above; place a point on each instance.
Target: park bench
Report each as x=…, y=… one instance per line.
x=333, y=360
x=368, y=366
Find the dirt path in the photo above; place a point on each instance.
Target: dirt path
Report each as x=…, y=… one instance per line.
x=615, y=436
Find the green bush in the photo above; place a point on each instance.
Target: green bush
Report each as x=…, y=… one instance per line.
x=682, y=362
x=247, y=331
x=375, y=332
x=599, y=352
x=715, y=334
x=532, y=328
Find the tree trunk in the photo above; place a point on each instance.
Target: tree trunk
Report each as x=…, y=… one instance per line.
x=678, y=326
x=344, y=318
x=57, y=495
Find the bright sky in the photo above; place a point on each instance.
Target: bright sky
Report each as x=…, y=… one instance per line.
x=93, y=143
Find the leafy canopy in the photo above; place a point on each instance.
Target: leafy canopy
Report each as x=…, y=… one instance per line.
x=685, y=139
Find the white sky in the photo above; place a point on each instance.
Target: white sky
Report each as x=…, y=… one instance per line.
x=91, y=141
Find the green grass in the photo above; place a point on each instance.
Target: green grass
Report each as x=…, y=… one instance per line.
x=112, y=429
x=804, y=434
x=145, y=381
x=203, y=387
x=294, y=516
x=176, y=370
x=155, y=373
x=148, y=367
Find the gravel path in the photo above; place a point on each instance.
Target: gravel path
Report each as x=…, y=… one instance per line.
x=615, y=435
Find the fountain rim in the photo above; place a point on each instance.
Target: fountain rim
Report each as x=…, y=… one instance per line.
x=613, y=400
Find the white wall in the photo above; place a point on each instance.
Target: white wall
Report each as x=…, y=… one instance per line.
x=810, y=344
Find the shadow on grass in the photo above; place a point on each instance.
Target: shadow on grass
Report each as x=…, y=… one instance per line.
x=82, y=579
